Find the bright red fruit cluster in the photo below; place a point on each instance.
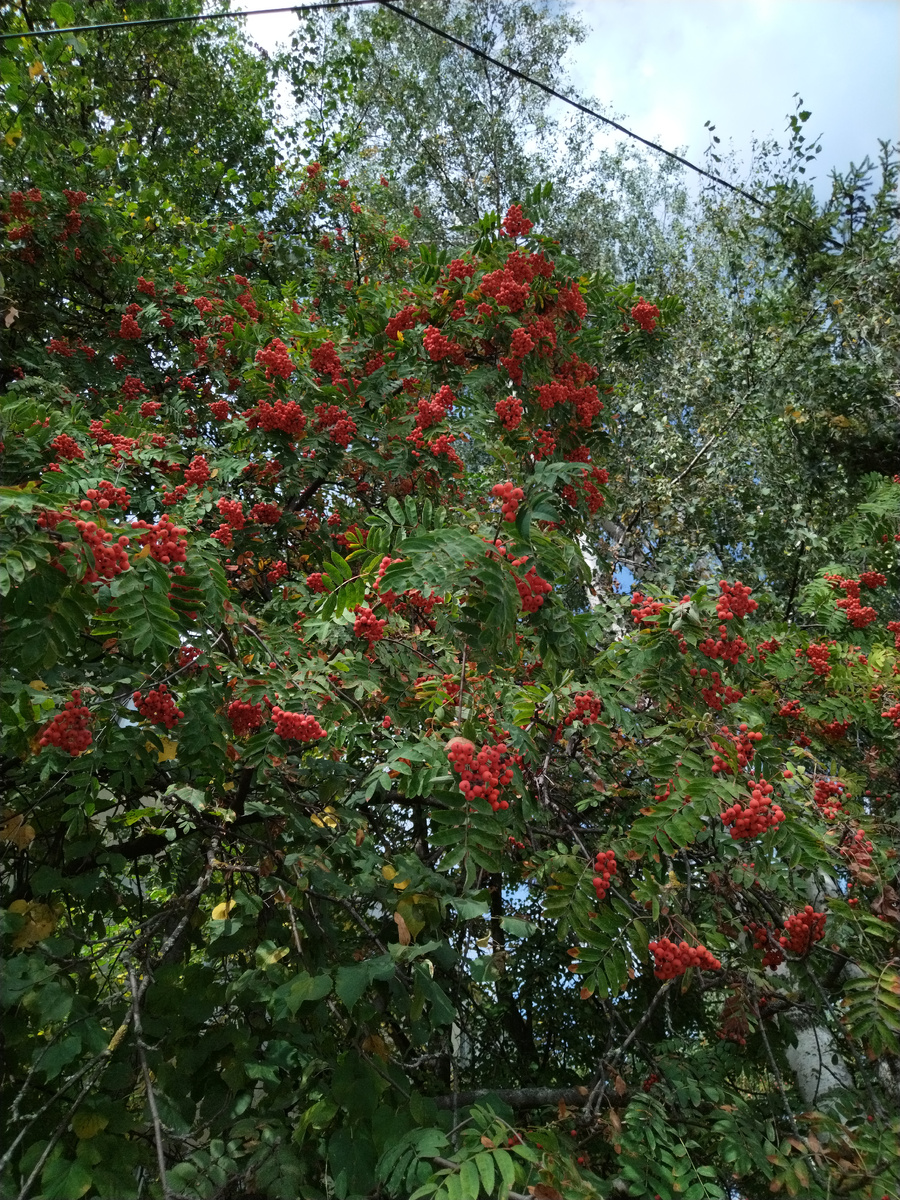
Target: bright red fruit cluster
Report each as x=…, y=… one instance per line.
x=483, y=774
x=276, y=359
x=828, y=796
x=316, y=582
x=515, y=223
x=645, y=314
x=743, y=741
x=166, y=540
x=759, y=815
x=671, y=960
x=105, y=495
x=510, y=496
x=64, y=446
x=587, y=710
x=244, y=716
x=532, y=590
x=110, y=558
x=298, y=726
x=764, y=939
x=734, y=600
x=368, y=626
x=605, y=866
x=69, y=729
x=158, y=706
x=510, y=412
x=802, y=929
x=817, y=655
x=858, y=614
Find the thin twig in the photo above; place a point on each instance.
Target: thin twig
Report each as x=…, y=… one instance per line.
x=136, y=995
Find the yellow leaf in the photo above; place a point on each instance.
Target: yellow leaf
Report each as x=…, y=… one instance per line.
x=169, y=750
x=326, y=819
x=88, y=1125
x=221, y=911
x=36, y=68
x=388, y=872
x=376, y=1045
x=38, y=685
x=141, y=554
x=13, y=829
x=40, y=921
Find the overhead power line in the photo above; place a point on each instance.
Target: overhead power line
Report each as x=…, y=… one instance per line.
x=145, y=21
x=438, y=32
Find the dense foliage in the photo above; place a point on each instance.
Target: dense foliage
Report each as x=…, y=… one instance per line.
x=359, y=840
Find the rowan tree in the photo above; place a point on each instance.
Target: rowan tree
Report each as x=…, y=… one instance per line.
x=351, y=847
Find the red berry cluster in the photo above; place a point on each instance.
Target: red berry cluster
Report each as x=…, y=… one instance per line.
x=858, y=852
x=532, y=590
x=277, y=571
x=368, y=626
x=197, y=471
x=438, y=347
x=220, y=409
x=734, y=601
x=515, y=223
x=872, y=579
x=69, y=729
x=316, y=582
x=133, y=388
x=187, y=655
x=510, y=497
x=232, y=511
x=266, y=514
x=859, y=615
x=297, y=726
x=158, y=706
x=802, y=929
x=276, y=359
x=166, y=540
x=106, y=495
x=244, y=716
x=289, y=418
x=759, y=815
x=671, y=960
x=643, y=608
x=483, y=774
x=728, y=649
x=818, y=655
x=110, y=558
x=605, y=866
x=510, y=412
x=716, y=693
x=791, y=709
x=764, y=939
x=340, y=425
x=645, y=314
x=64, y=446
x=744, y=744
x=129, y=328
x=587, y=710
x=828, y=796
x=649, y=1081
x=893, y=715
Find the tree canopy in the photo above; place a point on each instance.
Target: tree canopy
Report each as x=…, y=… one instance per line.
x=360, y=839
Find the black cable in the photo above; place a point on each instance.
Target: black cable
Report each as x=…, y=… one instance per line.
x=218, y=16
x=590, y=112
x=448, y=37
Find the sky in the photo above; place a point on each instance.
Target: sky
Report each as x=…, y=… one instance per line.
x=667, y=66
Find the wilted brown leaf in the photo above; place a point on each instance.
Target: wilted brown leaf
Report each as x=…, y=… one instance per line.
x=402, y=930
